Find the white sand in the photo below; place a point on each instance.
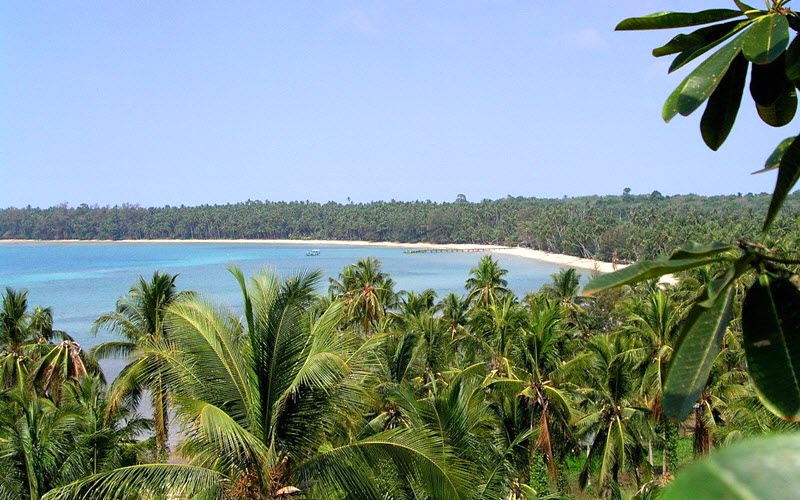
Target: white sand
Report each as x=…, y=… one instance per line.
x=560, y=259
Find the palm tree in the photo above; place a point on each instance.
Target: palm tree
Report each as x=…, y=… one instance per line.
x=367, y=290
x=460, y=418
x=44, y=445
x=413, y=304
x=653, y=323
x=486, y=283
x=65, y=361
x=498, y=324
x=24, y=336
x=614, y=423
x=565, y=285
x=534, y=385
x=455, y=313
x=139, y=318
x=110, y=440
x=37, y=447
x=271, y=407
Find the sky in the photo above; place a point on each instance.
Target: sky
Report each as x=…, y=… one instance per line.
x=189, y=102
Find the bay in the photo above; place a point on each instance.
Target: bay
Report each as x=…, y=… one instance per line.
x=82, y=280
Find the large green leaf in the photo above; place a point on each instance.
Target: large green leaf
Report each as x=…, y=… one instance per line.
x=667, y=20
x=767, y=39
x=694, y=250
x=773, y=92
x=693, y=53
x=768, y=82
x=792, y=68
x=782, y=111
x=743, y=6
x=701, y=82
x=788, y=174
x=644, y=270
x=765, y=468
x=771, y=332
x=696, y=39
x=774, y=159
x=698, y=344
x=723, y=105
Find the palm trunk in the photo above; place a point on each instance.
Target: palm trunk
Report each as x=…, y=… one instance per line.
x=161, y=417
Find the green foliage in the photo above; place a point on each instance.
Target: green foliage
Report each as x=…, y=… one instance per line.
x=758, y=468
x=762, y=40
x=771, y=327
x=695, y=352
x=770, y=321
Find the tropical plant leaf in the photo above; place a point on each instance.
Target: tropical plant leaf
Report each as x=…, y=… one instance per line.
x=144, y=481
x=723, y=105
x=693, y=53
x=774, y=159
x=693, y=250
x=697, y=346
x=771, y=333
x=667, y=20
x=792, y=64
x=644, y=270
x=768, y=81
x=766, y=39
x=782, y=111
x=696, y=39
x=417, y=452
x=743, y=6
x=765, y=467
x=788, y=174
x=701, y=82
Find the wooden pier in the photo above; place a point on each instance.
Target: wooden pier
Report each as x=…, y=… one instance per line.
x=447, y=250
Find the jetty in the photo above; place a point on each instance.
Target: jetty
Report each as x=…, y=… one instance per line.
x=447, y=250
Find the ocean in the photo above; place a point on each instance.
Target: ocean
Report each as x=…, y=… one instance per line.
x=82, y=280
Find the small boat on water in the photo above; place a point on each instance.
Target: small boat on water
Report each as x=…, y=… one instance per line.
x=312, y=253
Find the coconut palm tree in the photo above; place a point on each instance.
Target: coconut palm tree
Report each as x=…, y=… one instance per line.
x=614, y=423
x=565, y=285
x=460, y=417
x=65, y=361
x=24, y=336
x=497, y=324
x=455, y=312
x=139, y=318
x=110, y=440
x=653, y=323
x=486, y=282
x=44, y=445
x=533, y=385
x=413, y=304
x=271, y=406
x=367, y=290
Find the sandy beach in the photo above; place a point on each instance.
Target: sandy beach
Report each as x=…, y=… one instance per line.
x=527, y=253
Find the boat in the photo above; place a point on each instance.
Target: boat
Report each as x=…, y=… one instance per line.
x=312, y=253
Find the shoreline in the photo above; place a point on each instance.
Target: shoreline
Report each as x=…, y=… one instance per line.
x=526, y=253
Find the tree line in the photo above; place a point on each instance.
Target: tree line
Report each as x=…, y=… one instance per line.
x=630, y=227
x=366, y=392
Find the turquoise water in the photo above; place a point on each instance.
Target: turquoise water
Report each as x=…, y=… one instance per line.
x=81, y=281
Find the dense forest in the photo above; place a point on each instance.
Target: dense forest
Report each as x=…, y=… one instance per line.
x=365, y=392
x=632, y=226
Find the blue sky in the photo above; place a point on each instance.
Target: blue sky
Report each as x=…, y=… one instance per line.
x=212, y=102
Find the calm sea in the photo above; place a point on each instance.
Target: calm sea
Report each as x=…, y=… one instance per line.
x=81, y=281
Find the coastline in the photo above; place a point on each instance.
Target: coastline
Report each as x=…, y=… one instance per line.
x=526, y=253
